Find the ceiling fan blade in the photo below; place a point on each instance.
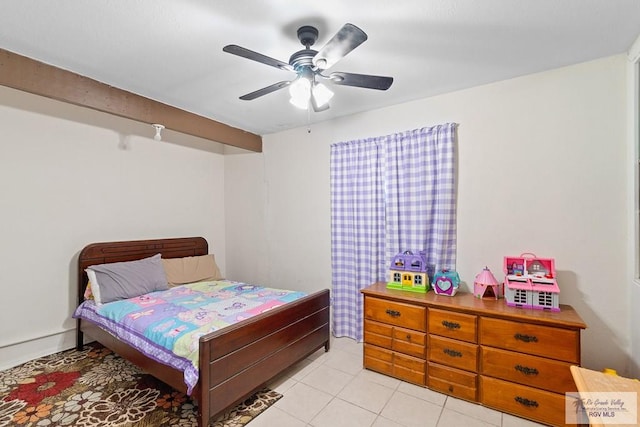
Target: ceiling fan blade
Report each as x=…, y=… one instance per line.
x=361, y=80
x=348, y=38
x=255, y=56
x=265, y=90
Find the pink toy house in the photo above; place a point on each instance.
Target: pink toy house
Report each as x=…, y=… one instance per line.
x=485, y=284
x=408, y=271
x=530, y=282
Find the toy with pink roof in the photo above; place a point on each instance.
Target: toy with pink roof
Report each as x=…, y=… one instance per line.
x=530, y=282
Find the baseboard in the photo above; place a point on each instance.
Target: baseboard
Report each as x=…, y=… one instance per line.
x=13, y=355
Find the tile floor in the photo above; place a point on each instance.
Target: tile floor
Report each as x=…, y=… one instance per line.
x=333, y=390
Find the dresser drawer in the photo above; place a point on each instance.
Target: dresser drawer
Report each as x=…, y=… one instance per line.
x=457, y=354
x=395, y=338
x=528, y=402
x=378, y=333
x=409, y=368
x=396, y=313
x=409, y=342
x=453, y=325
x=534, y=371
x=452, y=388
x=556, y=343
x=452, y=375
x=378, y=359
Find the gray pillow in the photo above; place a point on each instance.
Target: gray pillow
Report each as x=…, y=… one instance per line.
x=121, y=280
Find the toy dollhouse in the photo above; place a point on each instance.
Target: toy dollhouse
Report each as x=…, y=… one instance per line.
x=408, y=271
x=530, y=282
x=486, y=285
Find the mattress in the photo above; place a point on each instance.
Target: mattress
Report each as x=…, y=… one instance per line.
x=167, y=325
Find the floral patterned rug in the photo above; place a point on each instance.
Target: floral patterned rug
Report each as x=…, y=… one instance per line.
x=95, y=387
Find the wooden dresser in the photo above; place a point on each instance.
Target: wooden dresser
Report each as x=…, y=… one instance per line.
x=511, y=359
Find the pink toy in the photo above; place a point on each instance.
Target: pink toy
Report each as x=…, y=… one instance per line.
x=486, y=281
x=530, y=282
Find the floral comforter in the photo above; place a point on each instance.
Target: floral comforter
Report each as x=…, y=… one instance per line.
x=167, y=325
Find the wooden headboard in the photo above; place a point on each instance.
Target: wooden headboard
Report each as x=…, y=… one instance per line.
x=106, y=252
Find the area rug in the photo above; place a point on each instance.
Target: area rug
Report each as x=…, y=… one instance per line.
x=96, y=388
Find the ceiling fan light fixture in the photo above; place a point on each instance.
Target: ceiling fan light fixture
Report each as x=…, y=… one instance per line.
x=321, y=94
x=300, y=91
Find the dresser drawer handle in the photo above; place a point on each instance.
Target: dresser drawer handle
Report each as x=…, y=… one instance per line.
x=450, y=325
x=526, y=370
x=526, y=338
x=452, y=353
x=526, y=402
x=393, y=313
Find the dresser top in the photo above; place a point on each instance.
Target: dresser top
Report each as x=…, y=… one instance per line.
x=567, y=317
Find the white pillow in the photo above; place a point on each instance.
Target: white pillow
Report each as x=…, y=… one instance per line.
x=95, y=286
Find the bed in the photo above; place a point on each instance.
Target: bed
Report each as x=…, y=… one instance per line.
x=235, y=361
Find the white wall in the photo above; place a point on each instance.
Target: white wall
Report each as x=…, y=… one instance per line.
x=542, y=168
x=542, y=163
x=69, y=177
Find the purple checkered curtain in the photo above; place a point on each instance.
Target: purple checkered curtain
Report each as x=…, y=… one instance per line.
x=357, y=228
x=421, y=196
x=388, y=195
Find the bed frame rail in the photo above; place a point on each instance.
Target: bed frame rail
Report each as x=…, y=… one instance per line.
x=254, y=351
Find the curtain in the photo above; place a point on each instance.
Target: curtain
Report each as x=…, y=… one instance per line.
x=388, y=194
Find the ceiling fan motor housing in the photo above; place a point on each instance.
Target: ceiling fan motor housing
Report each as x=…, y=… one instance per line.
x=307, y=35
x=302, y=58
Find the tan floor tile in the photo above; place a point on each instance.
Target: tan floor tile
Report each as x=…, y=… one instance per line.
x=281, y=383
x=378, y=378
x=303, y=402
x=411, y=411
x=327, y=379
x=344, y=361
x=385, y=422
x=275, y=416
x=347, y=344
x=488, y=415
x=366, y=394
x=339, y=413
x=422, y=393
x=451, y=418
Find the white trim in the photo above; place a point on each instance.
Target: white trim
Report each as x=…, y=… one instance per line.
x=634, y=51
x=15, y=354
x=633, y=174
x=633, y=155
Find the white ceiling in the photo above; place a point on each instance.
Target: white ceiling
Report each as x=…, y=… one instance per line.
x=171, y=51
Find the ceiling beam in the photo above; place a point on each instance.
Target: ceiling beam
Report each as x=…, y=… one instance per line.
x=26, y=74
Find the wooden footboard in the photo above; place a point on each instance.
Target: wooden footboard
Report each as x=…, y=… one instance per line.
x=238, y=360
x=234, y=361
x=243, y=357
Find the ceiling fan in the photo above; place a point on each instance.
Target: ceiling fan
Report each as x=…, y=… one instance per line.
x=309, y=65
